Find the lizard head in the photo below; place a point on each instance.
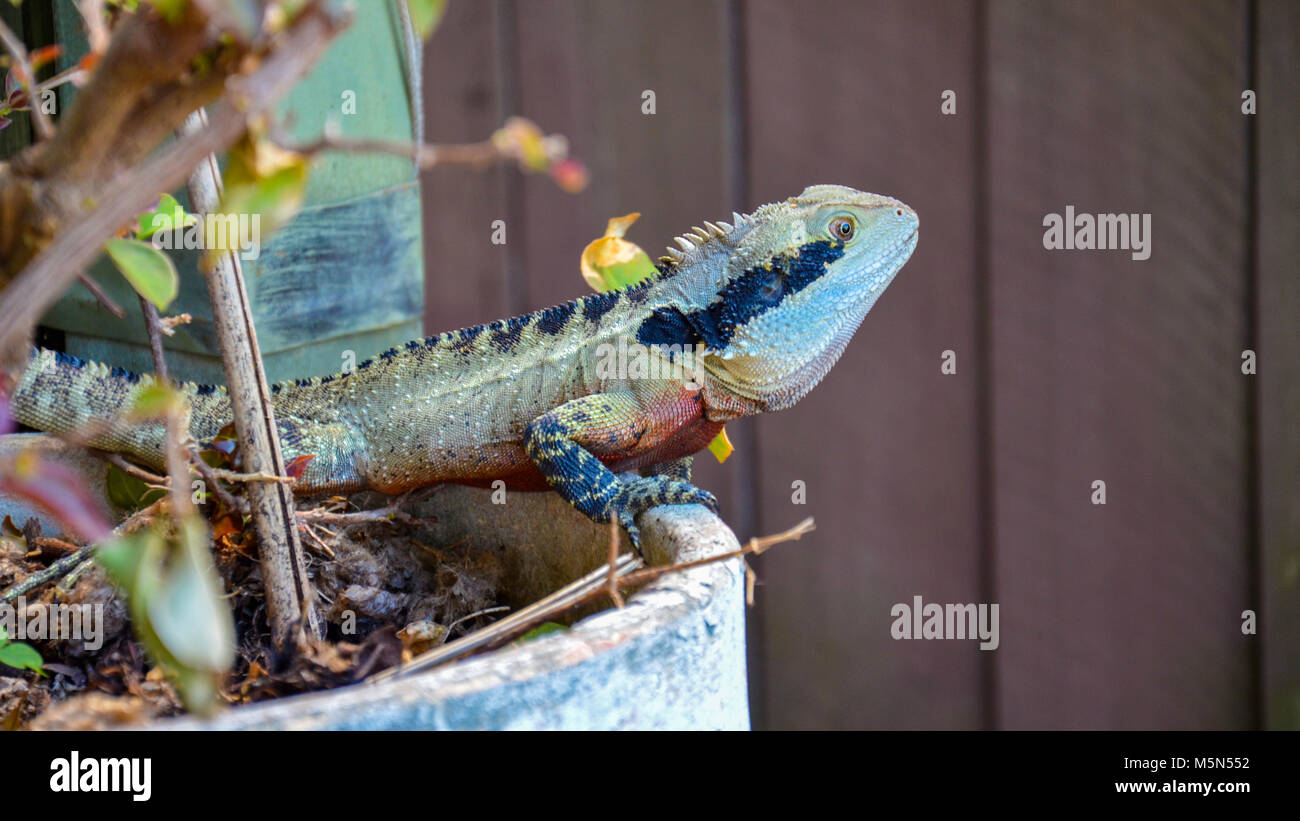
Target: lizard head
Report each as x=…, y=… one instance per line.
x=775, y=297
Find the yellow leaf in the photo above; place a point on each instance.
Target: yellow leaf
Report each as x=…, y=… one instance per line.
x=617, y=226
x=611, y=262
x=721, y=446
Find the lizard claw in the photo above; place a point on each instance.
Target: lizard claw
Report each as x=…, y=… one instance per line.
x=640, y=493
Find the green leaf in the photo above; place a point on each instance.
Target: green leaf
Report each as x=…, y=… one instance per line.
x=188, y=613
x=21, y=656
x=176, y=607
x=541, y=630
x=622, y=274
x=129, y=493
x=171, y=10
x=134, y=563
x=425, y=15
x=274, y=199
x=168, y=216
x=149, y=270
x=154, y=401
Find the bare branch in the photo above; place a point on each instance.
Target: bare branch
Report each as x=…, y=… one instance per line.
x=213, y=480
x=45, y=279
x=135, y=471
x=153, y=326
x=26, y=76
x=426, y=156
x=101, y=296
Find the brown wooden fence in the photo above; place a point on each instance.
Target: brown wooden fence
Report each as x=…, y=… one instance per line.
x=1071, y=366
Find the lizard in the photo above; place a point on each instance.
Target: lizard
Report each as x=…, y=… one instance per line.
x=760, y=308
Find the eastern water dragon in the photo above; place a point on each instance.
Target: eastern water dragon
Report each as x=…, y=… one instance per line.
x=760, y=309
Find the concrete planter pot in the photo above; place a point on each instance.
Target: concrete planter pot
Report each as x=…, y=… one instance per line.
x=672, y=658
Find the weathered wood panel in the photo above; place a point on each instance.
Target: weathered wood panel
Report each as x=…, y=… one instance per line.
x=1278, y=267
x=1123, y=615
x=850, y=93
x=464, y=272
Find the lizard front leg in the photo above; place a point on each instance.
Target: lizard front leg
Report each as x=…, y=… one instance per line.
x=565, y=442
x=679, y=469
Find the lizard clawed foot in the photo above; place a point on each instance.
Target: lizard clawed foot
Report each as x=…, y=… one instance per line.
x=638, y=494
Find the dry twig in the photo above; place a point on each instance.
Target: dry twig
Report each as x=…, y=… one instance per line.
x=82, y=557
x=629, y=572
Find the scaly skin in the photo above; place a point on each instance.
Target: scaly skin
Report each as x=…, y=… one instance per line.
x=537, y=400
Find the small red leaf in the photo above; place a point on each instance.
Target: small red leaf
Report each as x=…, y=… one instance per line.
x=298, y=466
x=570, y=174
x=43, y=55
x=88, y=63
x=227, y=525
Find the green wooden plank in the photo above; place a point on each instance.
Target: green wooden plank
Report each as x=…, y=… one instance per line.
x=339, y=278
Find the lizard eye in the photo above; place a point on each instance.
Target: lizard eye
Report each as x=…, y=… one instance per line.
x=842, y=228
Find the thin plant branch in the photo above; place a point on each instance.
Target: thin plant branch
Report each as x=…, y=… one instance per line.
x=391, y=513
x=213, y=481
x=132, y=470
x=101, y=296
x=153, y=325
x=290, y=596
x=92, y=14
x=249, y=478
x=40, y=120
x=476, y=155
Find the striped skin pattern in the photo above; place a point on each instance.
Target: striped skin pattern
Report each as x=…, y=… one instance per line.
x=770, y=300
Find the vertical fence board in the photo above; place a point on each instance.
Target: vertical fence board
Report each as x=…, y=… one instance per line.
x=465, y=272
x=1278, y=165
x=1125, y=615
x=850, y=94
x=583, y=67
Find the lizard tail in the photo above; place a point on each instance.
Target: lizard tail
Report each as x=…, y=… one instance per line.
x=62, y=394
